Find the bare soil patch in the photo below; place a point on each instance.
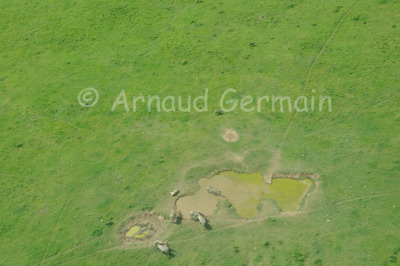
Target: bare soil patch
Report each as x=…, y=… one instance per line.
x=143, y=227
x=300, y=175
x=230, y=135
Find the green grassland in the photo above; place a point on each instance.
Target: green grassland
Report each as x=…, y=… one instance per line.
x=70, y=176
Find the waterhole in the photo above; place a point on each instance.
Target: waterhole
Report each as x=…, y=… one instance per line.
x=244, y=192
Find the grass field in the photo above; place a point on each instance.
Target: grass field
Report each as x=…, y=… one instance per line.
x=71, y=176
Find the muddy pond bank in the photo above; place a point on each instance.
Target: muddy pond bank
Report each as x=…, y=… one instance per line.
x=244, y=192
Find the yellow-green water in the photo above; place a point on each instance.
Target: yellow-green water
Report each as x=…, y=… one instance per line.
x=244, y=192
x=135, y=231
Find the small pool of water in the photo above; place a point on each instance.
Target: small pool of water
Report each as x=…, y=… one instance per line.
x=244, y=192
x=137, y=232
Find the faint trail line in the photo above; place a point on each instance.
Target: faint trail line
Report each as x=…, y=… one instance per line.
x=277, y=154
x=364, y=197
x=236, y=223
x=88, y=255
x=63, y=252
x=104, y=251
x=243, y=222
x=275, y=159
x=316, y=59
x=51, y=240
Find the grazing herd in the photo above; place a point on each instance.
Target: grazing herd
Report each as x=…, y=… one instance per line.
x=176, y=217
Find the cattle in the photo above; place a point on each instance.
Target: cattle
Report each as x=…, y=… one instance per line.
x=174, y=193
x=162, y=246
x=196, y=215
x=214, y=191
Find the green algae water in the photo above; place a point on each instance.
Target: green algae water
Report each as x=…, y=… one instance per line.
x=244, y=192
x=137, y=232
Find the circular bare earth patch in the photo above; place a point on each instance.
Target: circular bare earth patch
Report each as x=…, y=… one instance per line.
x=230, y=135
x=143, y=227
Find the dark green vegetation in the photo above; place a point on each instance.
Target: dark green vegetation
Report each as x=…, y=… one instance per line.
x=70, y=176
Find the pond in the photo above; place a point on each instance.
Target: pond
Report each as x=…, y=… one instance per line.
x=244, y=192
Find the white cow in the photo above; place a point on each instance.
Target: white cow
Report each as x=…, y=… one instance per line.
x=196, y=215
x=162, y=246
x=175, y=192
x=214, y=191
